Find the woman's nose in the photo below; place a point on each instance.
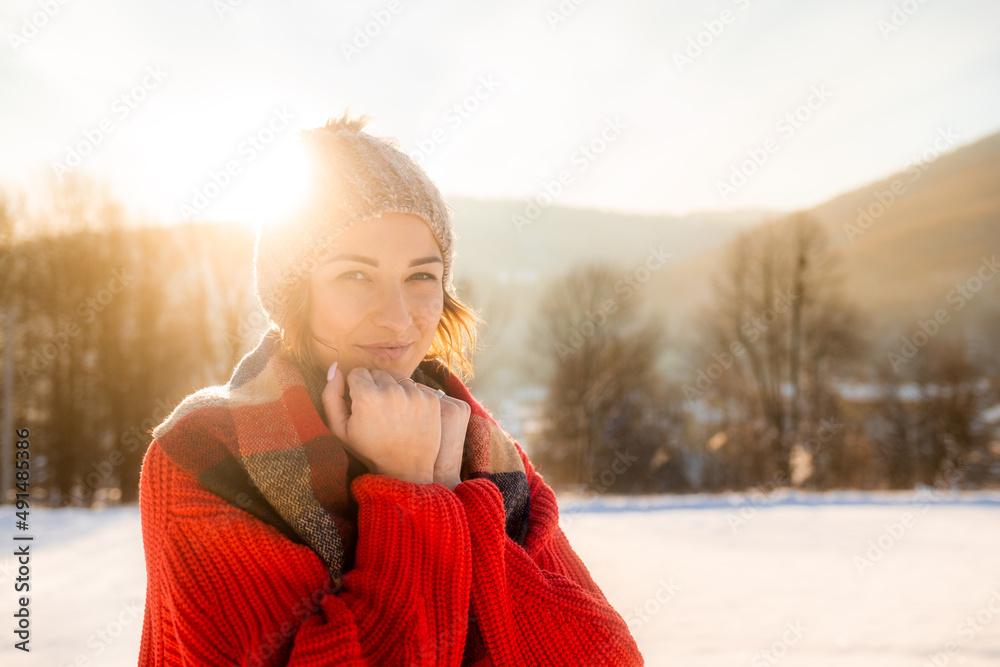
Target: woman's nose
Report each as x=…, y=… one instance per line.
x=391, y=309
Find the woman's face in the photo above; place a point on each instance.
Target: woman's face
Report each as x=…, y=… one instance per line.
x=378, y=297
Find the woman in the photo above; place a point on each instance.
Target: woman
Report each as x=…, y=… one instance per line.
x=344, y=500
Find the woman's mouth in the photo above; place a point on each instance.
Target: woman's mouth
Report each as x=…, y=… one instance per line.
x=386, y=353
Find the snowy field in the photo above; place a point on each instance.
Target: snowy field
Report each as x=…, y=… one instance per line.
x=886, y=579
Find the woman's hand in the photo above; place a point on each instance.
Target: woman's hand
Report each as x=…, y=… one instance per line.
x=455, y=415
x=393, y=428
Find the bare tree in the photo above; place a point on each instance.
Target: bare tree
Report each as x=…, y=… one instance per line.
x=772, y=343
x=111, y=332
x=605, y=426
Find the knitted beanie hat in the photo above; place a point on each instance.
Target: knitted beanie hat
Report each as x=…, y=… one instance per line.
x=354, y=177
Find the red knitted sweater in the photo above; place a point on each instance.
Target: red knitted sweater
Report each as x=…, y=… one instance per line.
x=225, y=588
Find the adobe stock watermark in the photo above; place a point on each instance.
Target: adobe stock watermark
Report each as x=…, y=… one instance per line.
x=582, y=158
x=698, y=43
x=106, y=636
x=453, y=118
x=246, y=152
x=653, y=605
x=250, y=327
x=779, y=648
x=225, y=7
x=786, y=127
x=562, y=12
x=627, y=286
x=966, y=631
x=88, y=309
x=880, y=546
x=221, y=527
x=958, y=297
x=305, y=607
x=754, y=499
x=899, y=16
x=103, y=473
x=121, y=109
x=894, y=532
x=883, y=199
x=364, y=34
x=33, y=23
x=759, y=496
x=601, y=482
x=622, y=462
x=752, y=329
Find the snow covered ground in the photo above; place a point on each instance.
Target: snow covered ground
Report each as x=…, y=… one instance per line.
x=888, y=579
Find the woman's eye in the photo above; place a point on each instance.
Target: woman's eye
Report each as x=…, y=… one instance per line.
x=355, y=276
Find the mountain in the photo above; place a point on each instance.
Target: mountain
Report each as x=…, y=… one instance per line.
x=507, y=252
x=507, y=241
x=909, y=238
x=905, y=240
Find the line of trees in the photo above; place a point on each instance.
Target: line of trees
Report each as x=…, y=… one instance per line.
x=111, y=324
x=763, y=396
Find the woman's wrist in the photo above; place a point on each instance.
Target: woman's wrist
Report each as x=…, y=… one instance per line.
x=415, y=477
x=451, y=482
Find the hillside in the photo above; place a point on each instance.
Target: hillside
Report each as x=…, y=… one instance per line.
x=929, y=237
x=901, y=262
x=501, y=268
x=492, y=246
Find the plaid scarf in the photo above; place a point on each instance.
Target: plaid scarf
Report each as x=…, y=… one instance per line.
x=260, y=443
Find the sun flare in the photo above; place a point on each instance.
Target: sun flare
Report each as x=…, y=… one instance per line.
x=270, y=188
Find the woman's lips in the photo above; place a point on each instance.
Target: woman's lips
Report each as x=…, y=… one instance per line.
x=386, y=353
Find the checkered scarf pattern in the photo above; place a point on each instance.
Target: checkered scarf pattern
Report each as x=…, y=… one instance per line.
x=260, y=443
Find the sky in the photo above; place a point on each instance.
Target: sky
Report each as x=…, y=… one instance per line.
x=189, y=109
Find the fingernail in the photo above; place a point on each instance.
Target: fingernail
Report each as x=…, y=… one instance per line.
x=330, y=373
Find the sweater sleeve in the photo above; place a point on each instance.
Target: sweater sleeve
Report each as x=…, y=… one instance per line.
x=547, y=609
x=225, y=588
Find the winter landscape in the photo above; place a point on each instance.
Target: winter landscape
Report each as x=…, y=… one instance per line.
x=734, y=266
x=907, y=579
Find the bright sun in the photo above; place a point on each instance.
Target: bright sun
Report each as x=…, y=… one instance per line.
x=194, y=175
x=268, y=189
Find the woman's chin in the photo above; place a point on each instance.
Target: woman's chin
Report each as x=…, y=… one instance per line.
x=347, y=365
x=398, y=368
x=400, y=362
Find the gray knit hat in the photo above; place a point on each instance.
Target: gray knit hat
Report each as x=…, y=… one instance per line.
x=355, y=177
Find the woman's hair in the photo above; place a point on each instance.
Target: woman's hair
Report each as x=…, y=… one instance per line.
x=458, y=326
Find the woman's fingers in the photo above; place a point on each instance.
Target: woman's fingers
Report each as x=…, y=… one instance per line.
x=361, y=379
x=455, y=415
x=395, y=430
x=335, y=406
x=380, y=378
x=398, y=431
x=384, y=381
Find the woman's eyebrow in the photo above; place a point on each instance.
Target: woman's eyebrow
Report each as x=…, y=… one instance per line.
x=426, y=260
x=374, y=262
x=346, y=257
